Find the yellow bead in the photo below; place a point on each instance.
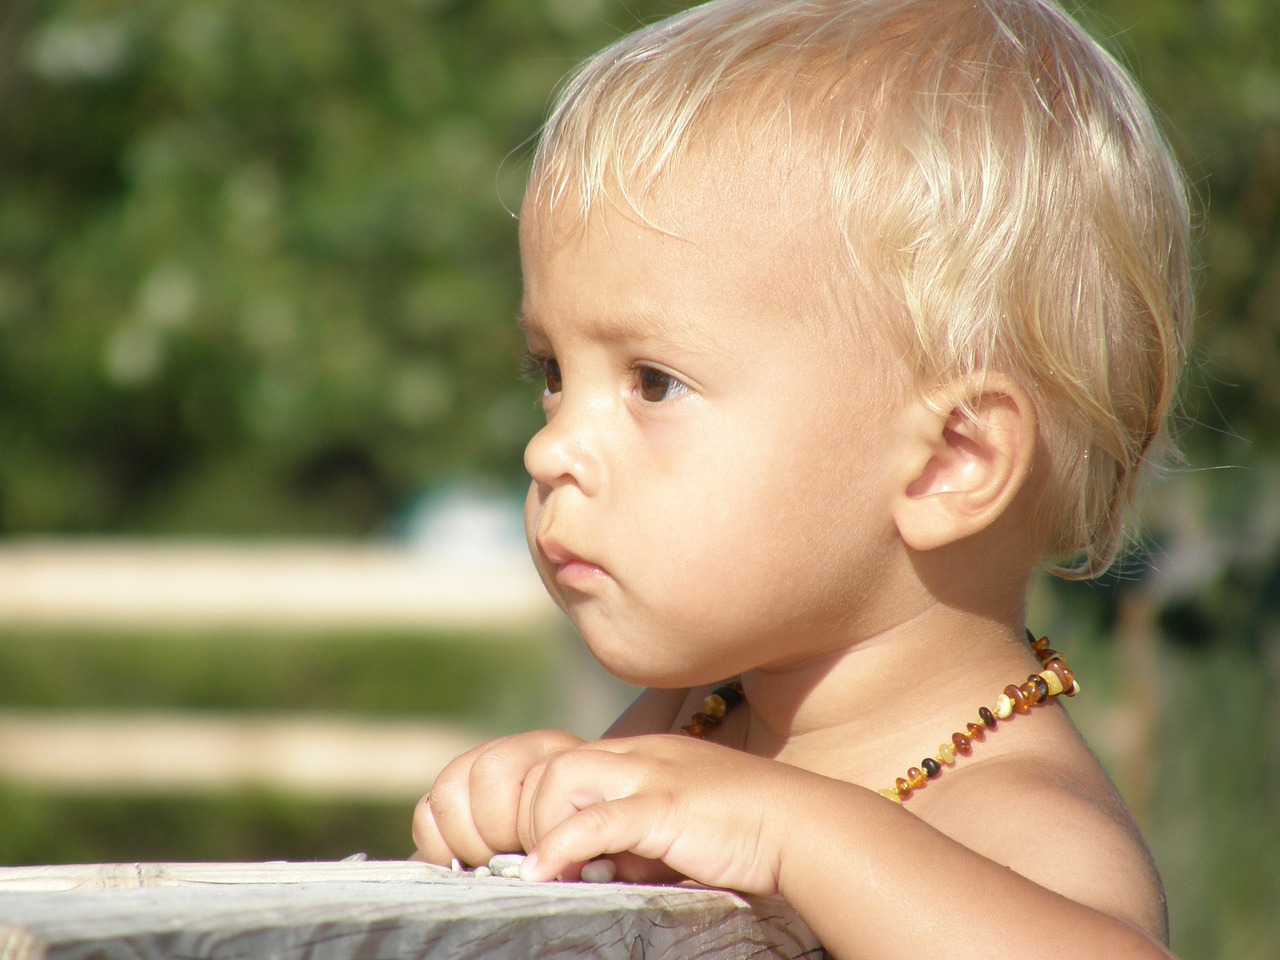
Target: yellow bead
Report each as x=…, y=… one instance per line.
x=892, y=795
x=714, y=706
x=947, y=753
x=1051, y=678
x=1004, y=707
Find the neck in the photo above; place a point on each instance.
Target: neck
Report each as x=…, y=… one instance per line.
x=869, y=704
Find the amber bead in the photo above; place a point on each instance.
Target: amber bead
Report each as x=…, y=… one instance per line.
x=987, y=717
x=1042, y=687
x=1015, y=694
x=1045, y=655
x=902, y=788
x=731, y=694
x=1059, y=666
x=975, y=731
x=916, y=777
x=963, y=746
x=694, y=730
x=931, y=767
x=1030, y=693
x=705, y=720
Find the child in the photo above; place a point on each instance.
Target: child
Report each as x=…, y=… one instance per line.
x=851, y=313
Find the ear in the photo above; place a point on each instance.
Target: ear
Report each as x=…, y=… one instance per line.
x=964, y=466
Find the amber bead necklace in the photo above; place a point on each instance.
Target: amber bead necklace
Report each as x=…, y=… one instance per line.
x=1054, y=678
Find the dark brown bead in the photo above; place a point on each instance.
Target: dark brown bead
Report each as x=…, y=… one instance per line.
x=987, y=717
x=962, y=743
x=730, y=693
x=931, y=767
x=1042, y=686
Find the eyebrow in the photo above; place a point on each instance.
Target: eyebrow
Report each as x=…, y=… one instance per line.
x=661, y=328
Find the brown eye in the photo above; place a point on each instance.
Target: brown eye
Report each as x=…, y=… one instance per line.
x=654, y=386
x=551, y=371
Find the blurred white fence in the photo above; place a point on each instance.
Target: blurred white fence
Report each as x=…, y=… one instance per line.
x=161, y=584
x=169, y=586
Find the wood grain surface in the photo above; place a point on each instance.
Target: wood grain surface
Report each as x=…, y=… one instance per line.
x=372, y=911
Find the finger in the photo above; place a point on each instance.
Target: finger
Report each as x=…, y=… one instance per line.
x=566, y=784
x=601, y=830
x=426, y=836
x=524, y=810
x=449, y=805
x=496, y=779
x=560, y=785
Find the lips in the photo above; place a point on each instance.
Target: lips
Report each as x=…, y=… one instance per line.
x=570, y=570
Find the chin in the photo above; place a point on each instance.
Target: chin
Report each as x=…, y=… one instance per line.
x=643, y=665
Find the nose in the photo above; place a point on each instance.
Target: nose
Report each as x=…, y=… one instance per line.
x=564, y=452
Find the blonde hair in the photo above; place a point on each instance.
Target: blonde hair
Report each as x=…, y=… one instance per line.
x=993, y=170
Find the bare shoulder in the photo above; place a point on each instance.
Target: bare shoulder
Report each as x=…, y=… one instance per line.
x=1058, y=820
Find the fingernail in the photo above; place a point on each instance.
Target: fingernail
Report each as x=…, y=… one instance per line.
x=529, y=867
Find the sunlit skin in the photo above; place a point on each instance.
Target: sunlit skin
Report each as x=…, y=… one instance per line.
x=688, y=509
x=736, y=478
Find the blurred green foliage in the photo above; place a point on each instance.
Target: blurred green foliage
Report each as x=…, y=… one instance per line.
x=257, y=264
x=492, y=684
x=241, y=827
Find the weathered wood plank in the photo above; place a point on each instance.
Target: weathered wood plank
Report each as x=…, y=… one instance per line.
x=373, y=911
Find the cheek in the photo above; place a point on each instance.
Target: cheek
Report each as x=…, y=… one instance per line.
x=532, y=504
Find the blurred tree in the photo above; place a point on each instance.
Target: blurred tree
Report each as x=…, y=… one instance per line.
x=257, y=267
x=1213, y=72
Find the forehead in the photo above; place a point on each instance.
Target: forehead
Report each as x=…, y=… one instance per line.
x=717, y=262
x=731, y=226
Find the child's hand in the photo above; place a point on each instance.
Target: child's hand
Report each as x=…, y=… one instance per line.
x=704, y=811
x=471, y=812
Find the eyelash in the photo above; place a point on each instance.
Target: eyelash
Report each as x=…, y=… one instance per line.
x=545, y=369
x=540, y=369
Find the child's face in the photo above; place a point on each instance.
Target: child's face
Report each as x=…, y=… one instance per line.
x=710, y=493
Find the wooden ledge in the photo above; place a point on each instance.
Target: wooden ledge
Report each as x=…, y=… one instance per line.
x=382, y=910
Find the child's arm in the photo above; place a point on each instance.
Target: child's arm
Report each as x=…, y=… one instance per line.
x=869, y=877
